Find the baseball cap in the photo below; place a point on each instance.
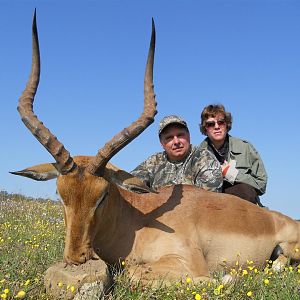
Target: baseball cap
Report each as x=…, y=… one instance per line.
x=173, y=119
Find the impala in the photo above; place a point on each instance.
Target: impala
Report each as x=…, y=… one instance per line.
x=179, y=230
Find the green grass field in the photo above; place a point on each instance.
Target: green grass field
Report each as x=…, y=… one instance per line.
x=32, y=238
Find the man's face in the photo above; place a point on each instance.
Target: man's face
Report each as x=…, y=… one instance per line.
x=216, y=129
x=176, y=142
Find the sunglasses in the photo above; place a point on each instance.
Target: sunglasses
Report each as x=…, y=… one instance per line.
x=210, y=124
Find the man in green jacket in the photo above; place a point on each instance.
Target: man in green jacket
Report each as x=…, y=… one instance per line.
x=243, y=171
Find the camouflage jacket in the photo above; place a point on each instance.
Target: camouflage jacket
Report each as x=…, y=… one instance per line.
x=199, y=168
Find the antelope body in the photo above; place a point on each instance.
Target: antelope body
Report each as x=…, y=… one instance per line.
x=179, y=230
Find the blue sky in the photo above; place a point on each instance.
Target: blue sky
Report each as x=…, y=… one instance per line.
x=244, y=54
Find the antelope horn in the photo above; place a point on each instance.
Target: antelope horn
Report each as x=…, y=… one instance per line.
x=124, y=137
x=65, y=162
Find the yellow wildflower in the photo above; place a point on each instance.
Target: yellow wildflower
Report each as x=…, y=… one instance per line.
x=6, y=291
x=123, y=263
x=188, y=280
x=20, y=295
x=266, y=281
x=197, y=297
x=233, y=271
x=60, y=284
x=3, y=296
x=249, y=294
x=217, y=291
x=245, y=272
x=27, y=282
x=73, y=289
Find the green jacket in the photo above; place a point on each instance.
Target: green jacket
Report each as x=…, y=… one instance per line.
x=249, y=166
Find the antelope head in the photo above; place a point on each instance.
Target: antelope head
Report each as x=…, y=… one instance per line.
x=83, y=182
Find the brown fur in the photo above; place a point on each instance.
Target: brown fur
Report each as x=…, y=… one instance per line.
x=181, y=230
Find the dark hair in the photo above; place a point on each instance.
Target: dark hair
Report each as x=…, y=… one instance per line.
x=211, y=111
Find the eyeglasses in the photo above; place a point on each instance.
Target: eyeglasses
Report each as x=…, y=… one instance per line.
x=210, y=124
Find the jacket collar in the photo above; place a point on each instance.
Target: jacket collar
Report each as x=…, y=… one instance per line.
x=235, y=147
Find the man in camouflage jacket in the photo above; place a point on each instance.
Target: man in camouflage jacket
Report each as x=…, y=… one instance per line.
x=180, y=162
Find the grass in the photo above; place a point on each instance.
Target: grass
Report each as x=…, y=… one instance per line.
x=32, y=239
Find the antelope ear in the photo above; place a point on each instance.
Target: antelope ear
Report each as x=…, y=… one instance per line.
x=42, y=172
x=125, y=180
